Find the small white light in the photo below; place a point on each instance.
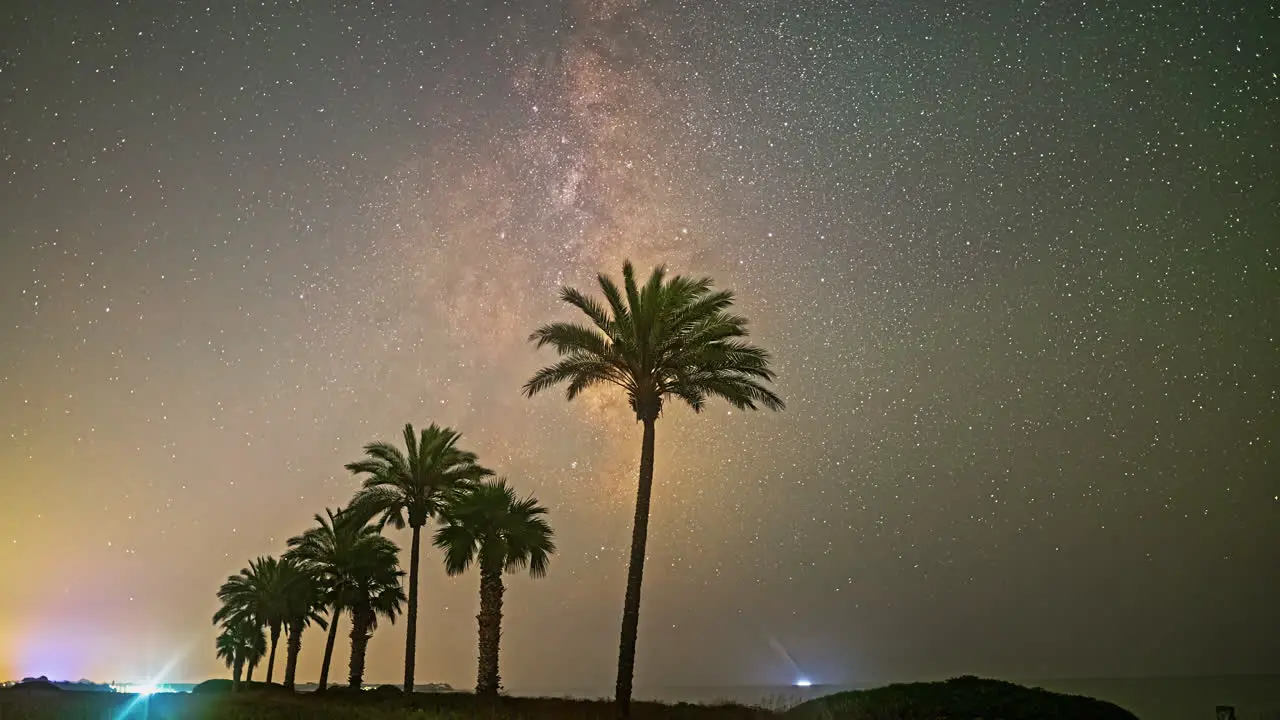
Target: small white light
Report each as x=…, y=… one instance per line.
x=803, y=682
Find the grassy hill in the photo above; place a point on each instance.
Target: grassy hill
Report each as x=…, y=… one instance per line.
x=963, y=698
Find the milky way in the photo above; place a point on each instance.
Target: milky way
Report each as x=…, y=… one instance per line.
x=1017, y=267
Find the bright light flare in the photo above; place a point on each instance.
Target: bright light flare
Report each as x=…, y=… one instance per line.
x=803, y=682
x=153, y=686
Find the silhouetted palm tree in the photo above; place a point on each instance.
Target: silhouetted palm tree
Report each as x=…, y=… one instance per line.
x=241, y=642
x=413, y=483
x=375, y=592
x=488, y=525
x=671, y=338
x=254, y=660
x=258, y=592
x=341, y=547
x=304, y=602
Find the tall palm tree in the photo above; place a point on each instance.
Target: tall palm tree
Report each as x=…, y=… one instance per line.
x=239, y=643
x=413, y=482
x=488, y=525
x=376, y=592
x=339, y=548
x=303, y=602
x=258, y=592
x=673, y=337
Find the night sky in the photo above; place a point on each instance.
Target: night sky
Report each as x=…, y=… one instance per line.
x=1019, y=267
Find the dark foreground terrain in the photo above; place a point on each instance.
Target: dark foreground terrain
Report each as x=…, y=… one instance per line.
x=958, y=699
x=280, y=705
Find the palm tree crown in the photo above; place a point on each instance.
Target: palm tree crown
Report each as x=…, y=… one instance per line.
x=672, y=337
x=413, y=482
x=248, y=595
x=377, y=590
x=488, y=522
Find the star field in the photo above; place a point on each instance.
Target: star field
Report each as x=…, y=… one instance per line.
x=1018, y=267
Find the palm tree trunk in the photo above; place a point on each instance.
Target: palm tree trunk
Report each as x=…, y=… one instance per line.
x=411, y=618
x=271, y=660
x=490, y=624
x=293, y=646
x=359, y=645
x=635, y=574
x=328, y=647
x=237, y=669
x=248, y=676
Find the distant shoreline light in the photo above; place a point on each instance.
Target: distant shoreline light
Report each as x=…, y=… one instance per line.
x=803, y=682
x=142, y=689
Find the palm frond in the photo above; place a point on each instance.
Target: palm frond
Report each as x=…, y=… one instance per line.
x=582, y=368
x=629, y=286
x=459, y=547
x=589, y=307
x=411, y=444
x=409, y=487
x=740, y=392
x=360, y=467
x=540, y=561
x=569, y=338
x=621, y=313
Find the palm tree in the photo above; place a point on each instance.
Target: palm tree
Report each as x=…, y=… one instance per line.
x=255, y=649
x=258, y=592
x=488, y=525
x=240, y=642
x=253, y=660
x=671, y=338
x=341, y=546
x=414, y=483
x=303, y=603
x=375, y=592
